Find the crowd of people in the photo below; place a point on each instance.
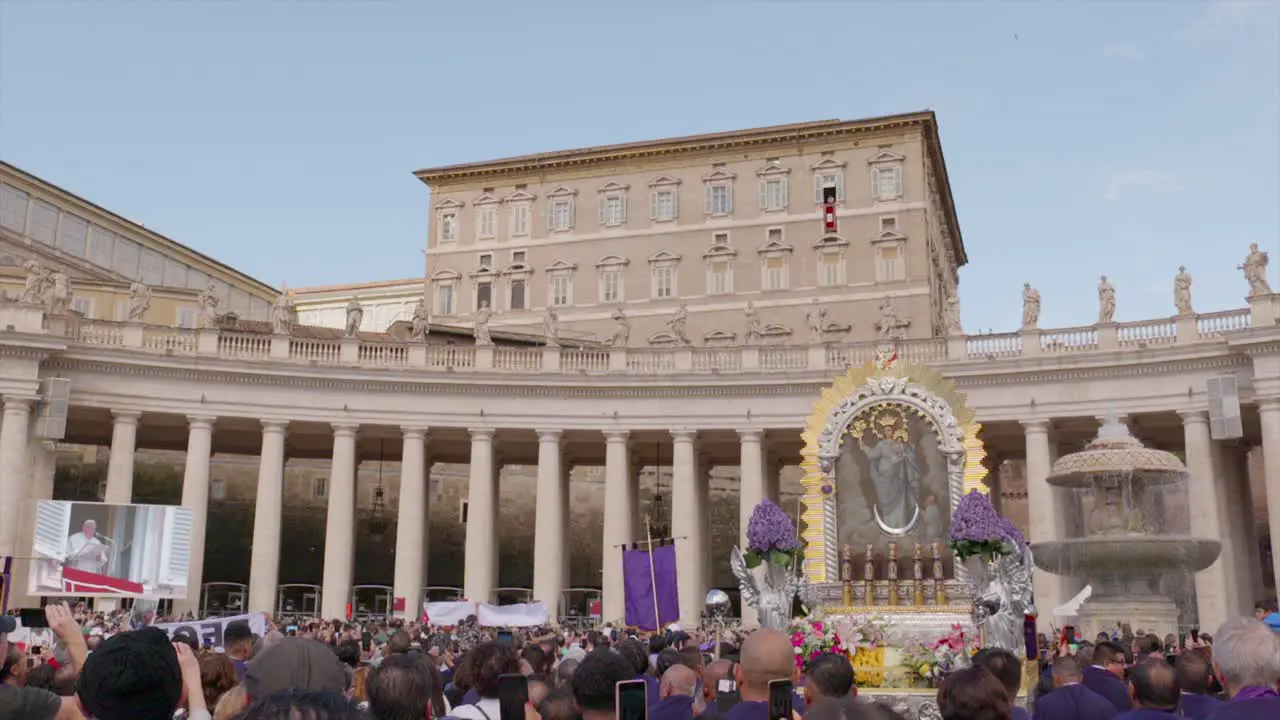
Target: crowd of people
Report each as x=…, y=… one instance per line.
x=101, y=669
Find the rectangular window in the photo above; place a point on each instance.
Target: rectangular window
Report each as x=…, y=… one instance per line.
x=517, y=295
x=448, y=227
x=825, y=180
x=484, y=295
x=13, y=208
x=486, y=261
x=560, y=215
x=613, y=210
x=888, y=224
x=560, y=290
x=775, y=273
x=73, y=236
x=887, y=183
x=720, y=238
x=611, y=285
x=664, y=281
x=444, y=299
x=662, y=206
x=44, y=222
x=320, y=487
x=773, y=194
x=217, y=489
x=84, y=306
x=890, y=266
x=719, y=278
x=487, y=221
x=774, y=235
x=831, y=270
x=518, y=257
x=188, y=317
x=520, y=220
x=719, y=199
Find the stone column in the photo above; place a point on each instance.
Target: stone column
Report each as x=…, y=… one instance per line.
x=619, y=523
x=340, y=525
x=549, y=549
x=1042, y=517
x=264, y=556
x=42, y=459
x=566, y=572
x=412, y=518
x=124, y=438
x=481, y=574
x=704, y=523
x=1236, y=522
x=1207, y=509
x=688, y=516
x=1269, y=411
x=751, y=492
x=13, y=471
x=195, y=495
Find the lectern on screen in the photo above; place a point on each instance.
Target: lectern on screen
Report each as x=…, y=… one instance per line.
x=98, y=549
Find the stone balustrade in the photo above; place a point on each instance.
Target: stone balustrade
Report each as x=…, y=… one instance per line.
x=353, y=352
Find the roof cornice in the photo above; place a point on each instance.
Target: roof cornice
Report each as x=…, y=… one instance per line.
x=821, y=130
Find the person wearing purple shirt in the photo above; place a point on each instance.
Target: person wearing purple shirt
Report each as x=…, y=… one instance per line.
x=676, y=695
x=1246, y=657
x=1070, y=699
x=595, y=680
x=1154, y=689
x=1195, y=675
x=635, y=652
x=1006, y=668
x=1106, y=675
x=766, y=656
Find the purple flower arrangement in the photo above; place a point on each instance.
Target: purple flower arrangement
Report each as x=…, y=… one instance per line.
x=976, y=529
x=771, y=536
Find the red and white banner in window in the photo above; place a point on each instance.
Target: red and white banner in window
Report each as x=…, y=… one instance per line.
x=82, y=582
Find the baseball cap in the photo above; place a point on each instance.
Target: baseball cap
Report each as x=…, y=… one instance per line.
x=8, y=624
x=187, y=636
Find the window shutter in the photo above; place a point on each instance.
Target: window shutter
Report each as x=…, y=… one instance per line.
x=897, y=182
x=622, y=203
x=839, y=187
x=177, y=530
x=653, y=204
x=817, y=188
x=710, y=201
x=53, y=523
x=764, y=195
x=783, y=192
x=728, y=194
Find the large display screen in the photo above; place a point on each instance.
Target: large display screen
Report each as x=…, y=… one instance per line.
x=95, y=549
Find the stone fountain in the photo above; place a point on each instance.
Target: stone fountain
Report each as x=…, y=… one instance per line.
x=1119, y=542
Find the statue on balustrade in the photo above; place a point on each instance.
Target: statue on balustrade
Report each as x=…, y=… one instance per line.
x=753, y=323
x=890, y=326
x=551, y=327
x=622, y=330
x=421, y=322
x=1255, y=271
x=952, y=316
x=1182, y=292
x=1106, y=301
x=355, y=317
x=481, y=329
x=58, y=296
x=1030, y=307
x=677, y=324
x=208, y=301
x=37, y=283
x=283, y=315
x=816, y=319
x=139, y=301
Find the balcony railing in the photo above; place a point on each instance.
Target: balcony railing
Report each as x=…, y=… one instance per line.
x=353, y=352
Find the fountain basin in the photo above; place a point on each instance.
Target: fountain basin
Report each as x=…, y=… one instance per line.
x=1117, y=455
x=1138, y=554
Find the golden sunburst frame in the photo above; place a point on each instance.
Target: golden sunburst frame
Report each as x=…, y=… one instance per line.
x=886, y=384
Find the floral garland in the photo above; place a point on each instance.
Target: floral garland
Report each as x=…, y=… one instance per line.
x=811, y=637
x=932, y=659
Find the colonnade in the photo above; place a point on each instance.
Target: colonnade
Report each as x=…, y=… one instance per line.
x=1219, y=502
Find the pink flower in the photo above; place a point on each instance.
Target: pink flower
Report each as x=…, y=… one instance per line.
x=817, y=627
x=797, y=639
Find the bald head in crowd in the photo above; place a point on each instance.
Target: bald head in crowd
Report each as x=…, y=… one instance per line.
x=711, y=677
x=678, y=680
x=766, y=656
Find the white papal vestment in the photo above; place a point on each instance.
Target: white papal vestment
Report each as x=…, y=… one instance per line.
x=88, y=554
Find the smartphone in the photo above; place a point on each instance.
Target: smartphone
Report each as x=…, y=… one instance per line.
x=780, y=698
x=726, y=696
x=36, y=650
x=631, y=697
x=366, y=640
x=506, y=637
x=1069, y=634
x=513, y=695
x=1195, y=634
x=33, y=618
x=291, y=628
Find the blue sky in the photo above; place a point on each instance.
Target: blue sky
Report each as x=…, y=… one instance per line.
x=279, y=137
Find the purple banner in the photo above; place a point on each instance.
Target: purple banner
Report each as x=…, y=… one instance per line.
x=640, y=587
